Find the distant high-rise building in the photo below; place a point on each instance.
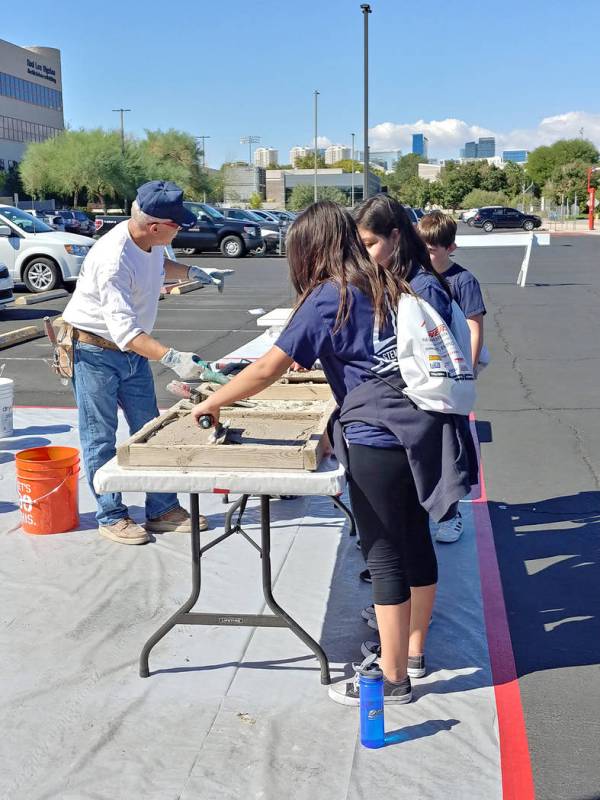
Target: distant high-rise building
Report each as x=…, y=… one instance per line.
x=337, y=152
x=470, y=150
x=298, y=152
x=266, y=157
x=486, y=147
x=518, y=156
x=385, y=158
x=420, y=144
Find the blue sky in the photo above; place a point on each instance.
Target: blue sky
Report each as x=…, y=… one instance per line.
x=519, y=70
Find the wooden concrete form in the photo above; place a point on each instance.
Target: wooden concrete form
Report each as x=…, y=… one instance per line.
x=305, y=452
x=184, y=288
x=277, y=391
x=30, y=299
x=20, y=335
x=308, y=376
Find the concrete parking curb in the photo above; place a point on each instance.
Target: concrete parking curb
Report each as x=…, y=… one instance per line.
x=19, y=335
x=30, y=299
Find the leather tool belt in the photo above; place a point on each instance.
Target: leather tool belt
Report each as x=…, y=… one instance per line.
x=85, y=337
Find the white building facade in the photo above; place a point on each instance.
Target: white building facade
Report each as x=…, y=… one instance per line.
x=337, y=152
x=31, y=102
x=266, y=157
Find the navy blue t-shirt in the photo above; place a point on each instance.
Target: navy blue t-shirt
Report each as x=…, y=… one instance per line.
x=465, y=290
x=358, y=348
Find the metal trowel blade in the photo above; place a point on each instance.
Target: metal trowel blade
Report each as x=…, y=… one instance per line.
x=220, y=433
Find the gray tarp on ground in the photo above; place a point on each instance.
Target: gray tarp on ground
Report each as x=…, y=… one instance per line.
x=231, y=712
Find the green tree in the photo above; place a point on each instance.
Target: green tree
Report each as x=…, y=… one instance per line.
x=414, y=191
x=308, y=162
x=346, y=164
x=477, y=198
x=515, y=178
x=174, y=156
x=568, y=181
x=405, y=168
x=543, y=161
x=303, y=195
x=491, y=178
x=255, y=200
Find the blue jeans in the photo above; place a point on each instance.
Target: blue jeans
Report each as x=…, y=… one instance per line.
x=103, y=381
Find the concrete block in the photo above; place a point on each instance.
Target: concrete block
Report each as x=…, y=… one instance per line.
x=30, y=299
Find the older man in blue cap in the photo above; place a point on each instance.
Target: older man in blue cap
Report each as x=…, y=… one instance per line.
x=112, y=313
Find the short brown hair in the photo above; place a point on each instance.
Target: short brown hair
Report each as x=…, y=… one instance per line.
x=437, y=229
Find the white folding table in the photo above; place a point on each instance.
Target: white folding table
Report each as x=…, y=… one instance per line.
x=328, y=480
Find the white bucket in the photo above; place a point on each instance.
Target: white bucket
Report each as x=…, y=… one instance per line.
x=6, y=407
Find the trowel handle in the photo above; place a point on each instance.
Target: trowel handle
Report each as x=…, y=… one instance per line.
x=206, y=421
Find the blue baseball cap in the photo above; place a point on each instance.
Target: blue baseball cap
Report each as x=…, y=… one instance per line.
x=164, y=200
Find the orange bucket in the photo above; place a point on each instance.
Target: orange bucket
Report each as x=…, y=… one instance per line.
x=48, y=487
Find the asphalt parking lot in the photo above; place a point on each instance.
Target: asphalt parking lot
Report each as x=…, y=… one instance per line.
x=204, y=321
x=538, y=422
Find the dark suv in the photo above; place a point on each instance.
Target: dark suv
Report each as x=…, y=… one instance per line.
x=491, y=217
x=234, y=238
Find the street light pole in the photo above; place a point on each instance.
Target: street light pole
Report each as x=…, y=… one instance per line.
x=352, y=179
x=203, y=139
x=121, y=111
x=250, y=140
x=316, y=194
x=366, y=10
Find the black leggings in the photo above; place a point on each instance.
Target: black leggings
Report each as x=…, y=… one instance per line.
x=393, y=526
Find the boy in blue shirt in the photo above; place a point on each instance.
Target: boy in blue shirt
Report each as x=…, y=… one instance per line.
x=438, y=230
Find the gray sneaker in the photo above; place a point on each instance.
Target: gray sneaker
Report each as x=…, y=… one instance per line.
x=451, y=530
x=124, y=531
x=347, y=692
x=415, y=666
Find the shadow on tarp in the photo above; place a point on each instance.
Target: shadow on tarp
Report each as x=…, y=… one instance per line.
x=420, y=731
x=32, y=430
x=549, y=558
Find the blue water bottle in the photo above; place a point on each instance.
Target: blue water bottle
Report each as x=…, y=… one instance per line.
x=370, y=681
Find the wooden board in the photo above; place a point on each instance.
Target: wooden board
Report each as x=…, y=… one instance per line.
x=260, y=438
x=308, y=376
x=20, y=335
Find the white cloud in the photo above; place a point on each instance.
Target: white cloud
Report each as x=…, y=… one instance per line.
x=447, y=136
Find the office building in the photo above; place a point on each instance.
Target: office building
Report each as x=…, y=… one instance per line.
x=385, y=158
x=241, y=182
x=420, y=145
x=266, y=157
x=486, y=147
x=429, y=172
x=337, y=152
x=518, y=156
x=31, y=105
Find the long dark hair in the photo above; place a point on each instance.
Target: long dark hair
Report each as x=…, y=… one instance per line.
x=323, y=245
x=382, y=214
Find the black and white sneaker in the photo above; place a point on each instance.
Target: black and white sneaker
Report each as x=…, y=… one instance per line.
x=416, y=664
x=347, y=692
x=365, y=576
x=368, y=613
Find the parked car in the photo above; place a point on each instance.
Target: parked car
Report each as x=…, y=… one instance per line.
x=412, y=214
x=86, y=223
x=271, y=232
x=233, y=237
x=269, y=216
x=6, y=286
x=72, y=224
x=36, y=254
x=492, y=217
x=288, y=216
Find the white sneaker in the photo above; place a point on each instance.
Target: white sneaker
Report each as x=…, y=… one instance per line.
x=450, y=530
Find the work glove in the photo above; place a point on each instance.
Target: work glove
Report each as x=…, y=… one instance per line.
x=190, y=367
x=209, y=275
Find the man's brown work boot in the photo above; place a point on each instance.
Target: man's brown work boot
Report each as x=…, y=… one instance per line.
x=125, y=531
x=177, y=520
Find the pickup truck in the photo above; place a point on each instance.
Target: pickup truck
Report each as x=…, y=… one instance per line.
x=234, y=238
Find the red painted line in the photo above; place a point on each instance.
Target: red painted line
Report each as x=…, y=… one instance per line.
x=515, y=761
x=221, y=491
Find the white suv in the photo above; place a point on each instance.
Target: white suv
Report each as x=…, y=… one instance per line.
x=6, y=286
x=37, y=255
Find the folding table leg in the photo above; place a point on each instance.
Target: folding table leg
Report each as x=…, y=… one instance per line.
x=265, y=529
x=347, y=513
x=190, y=602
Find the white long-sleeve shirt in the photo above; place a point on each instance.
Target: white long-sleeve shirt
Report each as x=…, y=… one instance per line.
x=118, y=288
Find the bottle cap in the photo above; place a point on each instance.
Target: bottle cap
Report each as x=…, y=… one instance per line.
x=370, y=668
